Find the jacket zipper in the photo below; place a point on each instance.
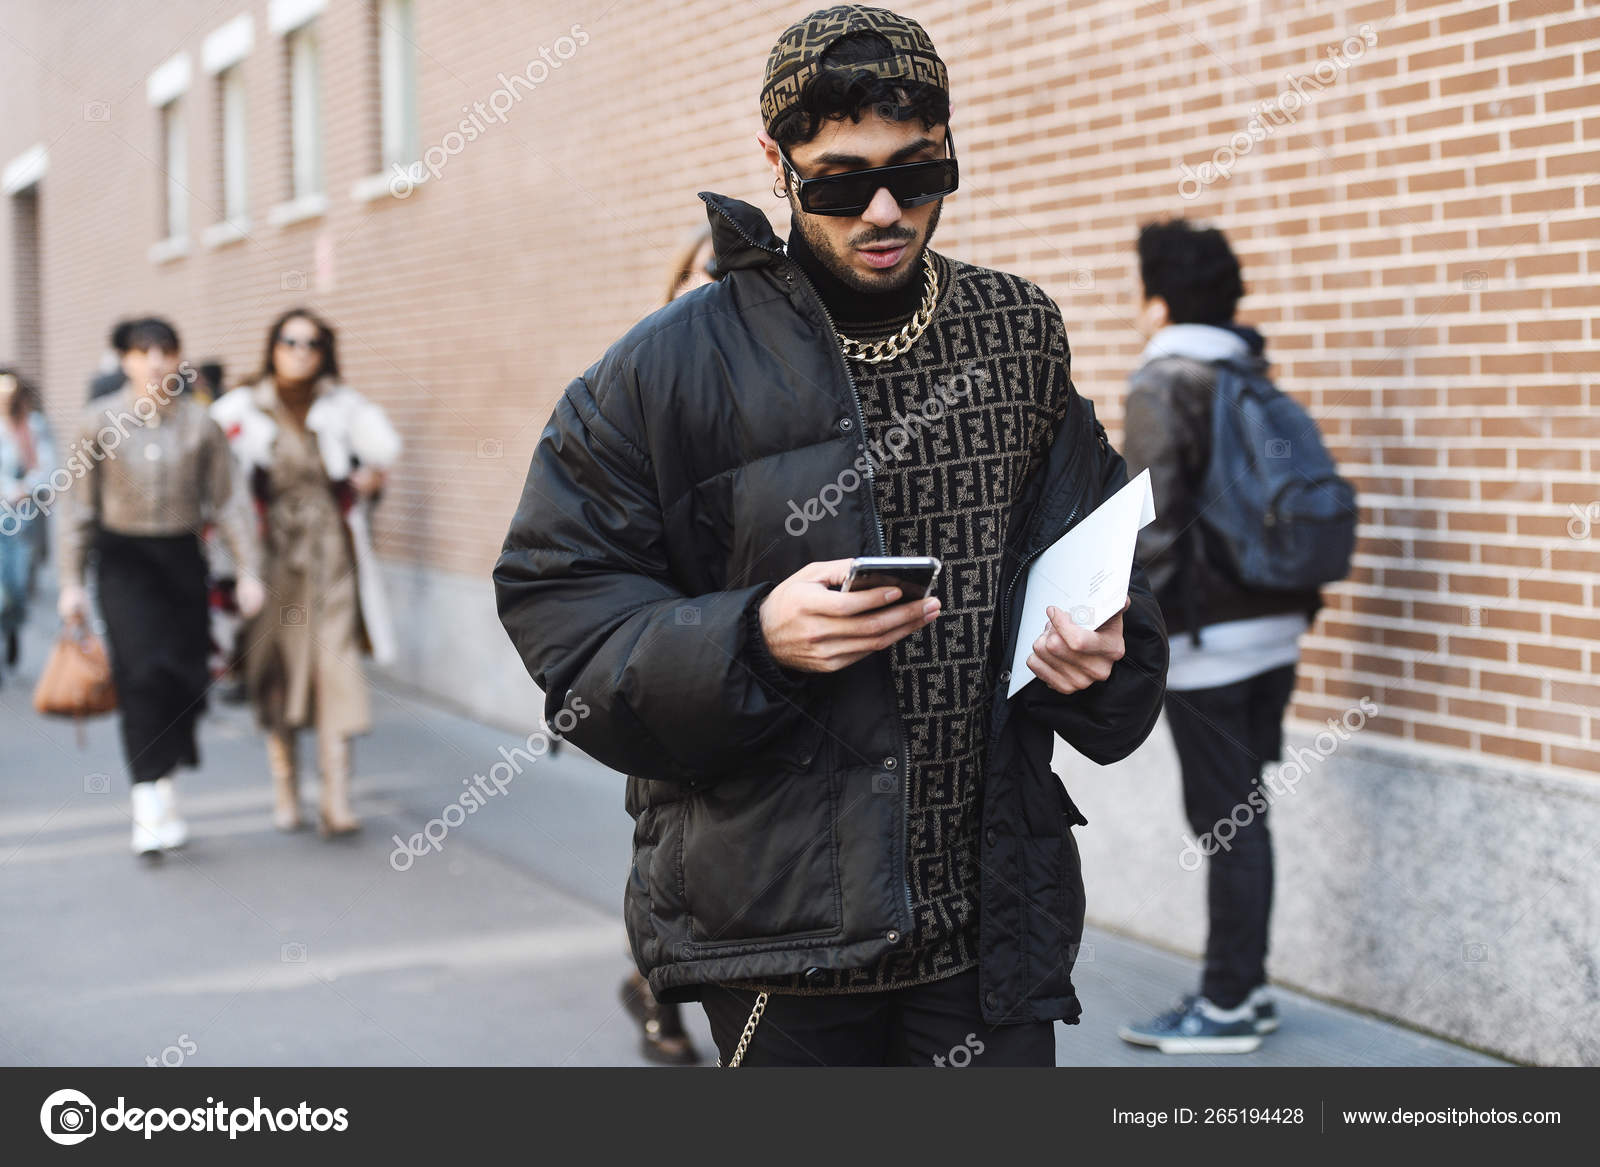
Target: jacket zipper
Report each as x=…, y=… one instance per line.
x=1005, y=604
x=877, y=521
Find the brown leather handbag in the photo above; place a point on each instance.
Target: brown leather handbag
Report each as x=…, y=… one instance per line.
x=76, y=681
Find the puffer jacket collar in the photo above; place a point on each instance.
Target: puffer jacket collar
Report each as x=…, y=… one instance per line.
x=741, y=236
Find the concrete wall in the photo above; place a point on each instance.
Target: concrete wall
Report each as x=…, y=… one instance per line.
x=1460, y=898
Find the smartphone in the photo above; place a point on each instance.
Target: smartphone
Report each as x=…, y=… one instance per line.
x=914, y=575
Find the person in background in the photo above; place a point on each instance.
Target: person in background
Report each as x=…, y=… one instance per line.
x=226, y=642
x=664, y=1038
x=316, y=453
x=1233, y=650
x=27, y=458
x=208, y=382
x=159, y=470
x=109, y=378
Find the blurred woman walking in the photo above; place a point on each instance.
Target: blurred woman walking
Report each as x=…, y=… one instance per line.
x=26, y=461
x=315, y=453
x=158, y=471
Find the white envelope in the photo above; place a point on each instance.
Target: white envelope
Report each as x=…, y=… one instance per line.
x=1085, y=572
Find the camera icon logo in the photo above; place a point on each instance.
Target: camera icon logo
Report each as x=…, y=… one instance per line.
x=1278, y=447
x=96, y=784
x=293, y=614
x=1082, y=616
x=97, y=111
x=491, y=448
x=883, y=783
x=688, y=614
x=68, y=1117
x=1474, y=953
x=294, y=281
x=293, y=952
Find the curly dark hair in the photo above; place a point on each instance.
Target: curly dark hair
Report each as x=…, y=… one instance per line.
x=1193, y=269
x=836, y=93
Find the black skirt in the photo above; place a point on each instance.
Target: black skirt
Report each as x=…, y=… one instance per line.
x=153, y=595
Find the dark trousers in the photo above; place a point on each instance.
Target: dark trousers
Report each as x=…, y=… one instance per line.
x=937, y=1024
x=1223, y=736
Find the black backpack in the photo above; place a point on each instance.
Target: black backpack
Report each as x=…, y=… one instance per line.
x=1271, y=495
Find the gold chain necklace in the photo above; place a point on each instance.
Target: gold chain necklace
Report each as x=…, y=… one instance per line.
x=891, y=347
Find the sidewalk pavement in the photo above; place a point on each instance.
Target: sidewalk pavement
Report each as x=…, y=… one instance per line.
x=503, y=947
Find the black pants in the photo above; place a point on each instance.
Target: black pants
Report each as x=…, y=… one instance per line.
x=153, y=595
x=937, y=1024
x=1223, y=736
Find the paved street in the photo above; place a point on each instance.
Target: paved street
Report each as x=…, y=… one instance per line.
x=504, y=947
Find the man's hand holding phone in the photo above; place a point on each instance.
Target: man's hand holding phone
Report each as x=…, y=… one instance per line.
x=813, y=627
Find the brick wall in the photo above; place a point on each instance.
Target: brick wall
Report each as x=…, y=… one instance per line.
x=1418, y=225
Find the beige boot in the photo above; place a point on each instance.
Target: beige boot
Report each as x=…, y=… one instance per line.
x=333, y=754
x=285, y=781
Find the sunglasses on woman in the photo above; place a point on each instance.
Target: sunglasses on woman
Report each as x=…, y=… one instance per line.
x=314, y=344
x=912, y=184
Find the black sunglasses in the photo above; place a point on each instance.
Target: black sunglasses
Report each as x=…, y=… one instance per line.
x=912, y=184
x=314, y=344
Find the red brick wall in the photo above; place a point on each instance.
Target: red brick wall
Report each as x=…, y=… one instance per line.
x=1419, y=242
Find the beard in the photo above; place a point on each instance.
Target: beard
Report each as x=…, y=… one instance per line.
x=838, y=263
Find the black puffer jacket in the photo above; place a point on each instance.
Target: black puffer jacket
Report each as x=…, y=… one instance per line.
x=769, y=806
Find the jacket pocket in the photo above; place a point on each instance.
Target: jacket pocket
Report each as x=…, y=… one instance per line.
x=761, y=859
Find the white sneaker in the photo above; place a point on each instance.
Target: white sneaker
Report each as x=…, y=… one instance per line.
x=170, y=829
x=146, y=818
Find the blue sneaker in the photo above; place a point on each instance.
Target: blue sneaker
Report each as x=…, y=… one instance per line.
x=1266, y=1010
x=1196, y=1026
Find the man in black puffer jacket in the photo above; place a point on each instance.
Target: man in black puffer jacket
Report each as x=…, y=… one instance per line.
x=841, y=823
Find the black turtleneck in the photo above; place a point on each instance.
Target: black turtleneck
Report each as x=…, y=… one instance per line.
x=845, y=304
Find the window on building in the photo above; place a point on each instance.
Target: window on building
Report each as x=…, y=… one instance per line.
x=397, y=82
x=305, y=112
x=232, y=156
x=175, y=165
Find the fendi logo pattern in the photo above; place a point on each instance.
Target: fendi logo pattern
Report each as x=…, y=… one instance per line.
x=947, y=492
x=794, y=59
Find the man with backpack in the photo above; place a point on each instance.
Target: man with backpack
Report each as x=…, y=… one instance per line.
x=1250, y=519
